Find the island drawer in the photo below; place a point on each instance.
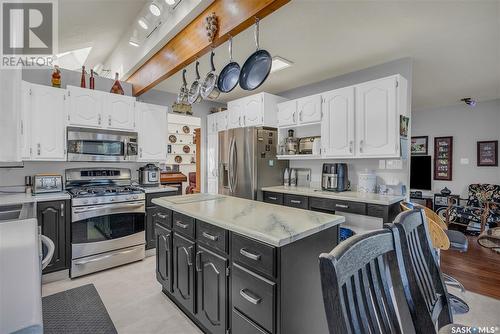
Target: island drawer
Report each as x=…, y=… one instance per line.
x=242, y=325
x=255, y=254
x=273, y=198
x=254, y=297
x=337, y=205
x=162, y=216
x=374, y=210
x=212, y=236
x=296, y=201
x=183, y=224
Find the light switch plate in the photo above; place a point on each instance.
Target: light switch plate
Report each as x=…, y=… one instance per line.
x=381, y=164
x=394, y=164
x=464, y=161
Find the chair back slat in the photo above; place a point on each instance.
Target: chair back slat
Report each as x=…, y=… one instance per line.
x=426, y=292
x=356, y=281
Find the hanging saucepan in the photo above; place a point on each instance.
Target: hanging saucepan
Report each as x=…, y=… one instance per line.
x=230, y=74
x=195, y=90
x=183, y=92
x=257, y=67
x=209, y=90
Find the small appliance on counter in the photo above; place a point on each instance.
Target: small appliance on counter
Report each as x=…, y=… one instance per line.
x=335, y=177
x=306, y=145
x=291, y=143
x=47, y=183
x=149, y=175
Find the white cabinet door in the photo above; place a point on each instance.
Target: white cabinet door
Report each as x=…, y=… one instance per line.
x=212, y=162
x=221, y=120
x=152, y=132
x=25, y=149
x=120, y=112
x=377, y=119
x=253, y=110
x=337, y=127
x=234, y=114
x=309, y=109
x=10, y=109
x=287, y=112
x=84, y=107
x=48, y=135
x=211, y=124
x=212, y=186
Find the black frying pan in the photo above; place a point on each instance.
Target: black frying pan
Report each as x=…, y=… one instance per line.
x=257, y=67
x=230, y=74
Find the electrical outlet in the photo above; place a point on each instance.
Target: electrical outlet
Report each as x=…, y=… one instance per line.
x=381, y=164
x=394, y=164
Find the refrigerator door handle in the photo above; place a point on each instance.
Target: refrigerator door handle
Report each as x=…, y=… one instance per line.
x=235, y=166
x=230, y=165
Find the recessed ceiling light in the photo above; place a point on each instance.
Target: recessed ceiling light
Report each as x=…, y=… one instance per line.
x=279, y=64
x=143, y=23
x=170, y=2
x=155, y=9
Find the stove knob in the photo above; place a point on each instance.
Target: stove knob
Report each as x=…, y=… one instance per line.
x=111, y=199
x=95, y=201
x=136, y=196
x=85, y=201
x=129, y=198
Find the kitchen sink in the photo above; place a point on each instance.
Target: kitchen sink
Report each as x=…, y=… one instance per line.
x=17, y=211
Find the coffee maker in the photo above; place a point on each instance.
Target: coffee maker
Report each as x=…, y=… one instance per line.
x=335, y=177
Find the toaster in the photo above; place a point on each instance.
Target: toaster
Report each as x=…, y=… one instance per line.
x=306, y=144
x=47, y=183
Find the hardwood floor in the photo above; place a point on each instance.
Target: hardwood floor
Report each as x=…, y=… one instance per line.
x=478, y=269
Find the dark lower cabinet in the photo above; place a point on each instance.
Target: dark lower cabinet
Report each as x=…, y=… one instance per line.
x=156, y=215
x=54, y=220
x=183, y=271
x=211, y=290
x=164, y=257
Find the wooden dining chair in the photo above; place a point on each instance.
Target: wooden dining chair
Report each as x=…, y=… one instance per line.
x=426, y=284
x=357, y=277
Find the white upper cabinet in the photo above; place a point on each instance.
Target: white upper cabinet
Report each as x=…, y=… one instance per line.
x=84, y=107
x=212, y=123
x=255, y=110
x=11, y=126
x=221, y=121
x=48, y=131
x=337, y=127
x=119, y=112
x=152, y=132
x=234, y=114
x=25, y=124
x=212, y=163
x=287, y=112
x=377, y=118
x=309, y=109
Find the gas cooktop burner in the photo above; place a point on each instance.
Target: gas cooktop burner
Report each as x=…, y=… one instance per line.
x=103, y=191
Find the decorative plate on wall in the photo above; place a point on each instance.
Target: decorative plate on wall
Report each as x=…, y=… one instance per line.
x=178, y=159
x=186, y=149
x=185, y=129
x=172, y=138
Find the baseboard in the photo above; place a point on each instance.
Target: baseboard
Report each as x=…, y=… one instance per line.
x=55, y=276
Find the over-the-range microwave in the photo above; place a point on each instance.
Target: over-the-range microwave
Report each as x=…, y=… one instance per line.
x=101, y=145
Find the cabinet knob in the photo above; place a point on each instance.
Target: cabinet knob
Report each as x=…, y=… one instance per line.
x=38, y=148
x=361, y=146
x=350, y=146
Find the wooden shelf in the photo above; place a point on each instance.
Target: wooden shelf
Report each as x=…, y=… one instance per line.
x=299, y=157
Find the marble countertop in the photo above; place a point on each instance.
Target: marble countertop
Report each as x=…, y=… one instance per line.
x=354, y=196
x=21, y=198
x=269, y=223
x=158, y=189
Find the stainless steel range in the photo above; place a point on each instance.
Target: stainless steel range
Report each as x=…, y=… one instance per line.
x=107, y=219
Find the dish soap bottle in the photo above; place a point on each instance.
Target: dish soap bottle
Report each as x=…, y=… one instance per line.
x=286, y=177
x=117, y=87
x=56, y=77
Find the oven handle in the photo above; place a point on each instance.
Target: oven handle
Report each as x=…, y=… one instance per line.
x=85, y=212
x=108, y=206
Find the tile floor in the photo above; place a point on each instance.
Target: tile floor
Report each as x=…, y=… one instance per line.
x=136, y=304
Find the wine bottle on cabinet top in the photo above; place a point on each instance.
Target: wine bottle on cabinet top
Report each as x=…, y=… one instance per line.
x=117, y=87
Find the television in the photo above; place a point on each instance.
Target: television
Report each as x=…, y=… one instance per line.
x=421, y=172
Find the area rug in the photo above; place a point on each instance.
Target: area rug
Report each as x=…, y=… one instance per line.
x=76, y=311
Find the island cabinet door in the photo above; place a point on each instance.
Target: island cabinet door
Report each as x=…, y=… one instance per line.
x=211, y=290
x=183, y=271
x=164, y=257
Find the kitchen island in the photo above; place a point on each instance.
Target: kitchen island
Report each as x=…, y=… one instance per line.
x=240, y=266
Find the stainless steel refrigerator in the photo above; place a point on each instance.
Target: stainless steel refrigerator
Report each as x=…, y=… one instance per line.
x=247, y=162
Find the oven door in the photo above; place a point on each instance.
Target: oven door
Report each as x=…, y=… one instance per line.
x=102, y=228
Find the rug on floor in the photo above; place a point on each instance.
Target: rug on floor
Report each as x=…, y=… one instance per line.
x=76, y=311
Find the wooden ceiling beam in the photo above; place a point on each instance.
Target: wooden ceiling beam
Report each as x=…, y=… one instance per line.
x=192, y=42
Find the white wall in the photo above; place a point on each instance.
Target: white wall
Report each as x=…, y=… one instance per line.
x=467, y=126
x=402, y=66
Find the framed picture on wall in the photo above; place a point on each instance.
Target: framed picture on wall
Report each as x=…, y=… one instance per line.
x=419, y=145
x=443, y=158
x=487, y=153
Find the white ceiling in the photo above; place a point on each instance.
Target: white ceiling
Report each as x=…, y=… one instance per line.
x=95, y=23
x=455, y=46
